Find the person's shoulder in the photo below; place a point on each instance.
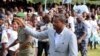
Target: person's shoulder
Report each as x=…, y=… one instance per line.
x=4, y=30
x=84, y=23
x=68, y=30
x=70, y=34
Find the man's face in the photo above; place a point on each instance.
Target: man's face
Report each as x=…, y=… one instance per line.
x=1, y=22
x=84, y=14
x=79, y=20
x=47, y=19
x=57, y=24
x=67, y=15
x=33, y=21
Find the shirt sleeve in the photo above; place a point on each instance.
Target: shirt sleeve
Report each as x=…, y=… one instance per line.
x=73, y=48
x=84, y=28
x=4, y=38
x=36, y=42
x=39, y=35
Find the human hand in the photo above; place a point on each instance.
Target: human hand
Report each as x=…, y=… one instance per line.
x=20, y=22
x=79, y=41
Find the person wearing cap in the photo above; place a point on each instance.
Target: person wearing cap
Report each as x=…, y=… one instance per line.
x=27, y=42
x=62, y=41
x=3, y=37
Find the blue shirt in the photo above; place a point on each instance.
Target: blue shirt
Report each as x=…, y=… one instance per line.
x=80, y=29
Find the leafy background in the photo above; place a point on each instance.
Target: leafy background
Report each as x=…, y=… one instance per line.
x=73, y=1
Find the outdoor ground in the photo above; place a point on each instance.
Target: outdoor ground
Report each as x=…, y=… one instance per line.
x=94, y=52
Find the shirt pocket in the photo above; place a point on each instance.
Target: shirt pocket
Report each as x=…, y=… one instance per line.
x=62, y=47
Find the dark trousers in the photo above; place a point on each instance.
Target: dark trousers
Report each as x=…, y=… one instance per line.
x=82, y=47
x=0, y=52
x=11, y=53
x=3, y=53
x=92, y=45
x=43, y=45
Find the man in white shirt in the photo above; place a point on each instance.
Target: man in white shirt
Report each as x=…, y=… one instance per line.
x=3, y=38
x=70, y=21
x=13, y=35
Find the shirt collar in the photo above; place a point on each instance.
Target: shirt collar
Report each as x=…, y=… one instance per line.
x=62, y=31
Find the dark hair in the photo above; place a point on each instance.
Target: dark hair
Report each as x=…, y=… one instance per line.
x=7, y=22
x=14, y=20
x=33, y=17
x=47, y=18
x=93, y=17
x=60, y=17
x=87, y=17
x=1, y=17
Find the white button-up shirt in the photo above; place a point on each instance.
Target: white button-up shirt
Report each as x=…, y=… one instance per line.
x=58, y=39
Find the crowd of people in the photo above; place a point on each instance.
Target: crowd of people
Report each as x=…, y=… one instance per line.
x=60, y=30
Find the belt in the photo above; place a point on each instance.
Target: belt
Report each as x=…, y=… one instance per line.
x=59, y=51
x=26, y=45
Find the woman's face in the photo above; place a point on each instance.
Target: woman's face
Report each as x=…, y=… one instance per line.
x=15, y=26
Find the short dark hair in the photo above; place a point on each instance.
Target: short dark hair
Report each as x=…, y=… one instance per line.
x=1, y=17
x=60, y=17
x=33, y=17
x=14, y=20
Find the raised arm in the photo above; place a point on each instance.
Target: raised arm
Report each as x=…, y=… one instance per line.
x=30, y=31
x=36, y=34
